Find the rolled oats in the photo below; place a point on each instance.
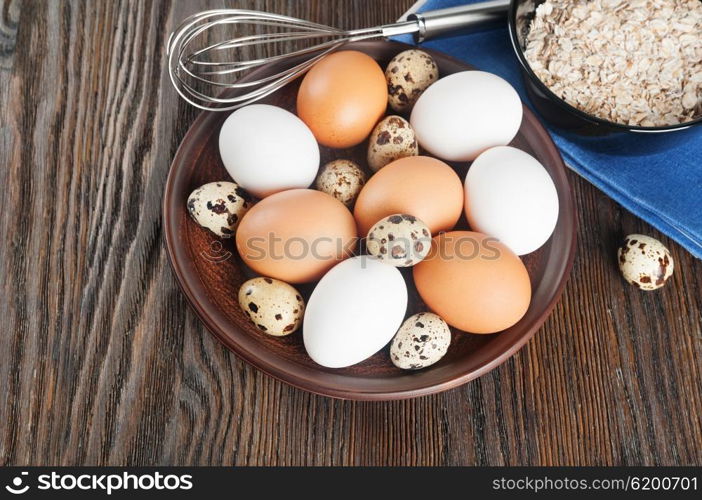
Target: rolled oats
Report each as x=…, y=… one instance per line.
x=636, y=62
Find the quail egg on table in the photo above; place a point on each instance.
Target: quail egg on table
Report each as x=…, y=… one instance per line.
x=400, y=240
x=421, y=341
x=219, y=206
x=391, y=139
x=274, y=306
x=342, y=179
x=408, y=75
x=645, y=262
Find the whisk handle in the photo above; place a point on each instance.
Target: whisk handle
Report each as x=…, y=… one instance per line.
x=456, y=19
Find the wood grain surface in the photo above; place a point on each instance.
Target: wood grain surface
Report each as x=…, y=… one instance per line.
x=102, y=362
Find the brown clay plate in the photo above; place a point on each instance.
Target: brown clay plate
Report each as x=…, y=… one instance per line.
x=210, y=272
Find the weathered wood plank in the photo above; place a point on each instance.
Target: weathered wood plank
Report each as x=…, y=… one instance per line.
x=103, y=363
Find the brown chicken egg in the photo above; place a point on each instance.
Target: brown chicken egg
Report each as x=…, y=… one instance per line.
x=474, y=282
x=342, y=98
x=296, y=236
x=421, y=186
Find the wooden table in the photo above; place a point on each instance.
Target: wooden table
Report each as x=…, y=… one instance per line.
x=102, y=362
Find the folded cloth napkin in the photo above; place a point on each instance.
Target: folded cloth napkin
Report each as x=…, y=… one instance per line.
x=657, y=177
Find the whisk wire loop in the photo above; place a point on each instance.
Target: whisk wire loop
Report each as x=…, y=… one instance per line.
x=200, y=78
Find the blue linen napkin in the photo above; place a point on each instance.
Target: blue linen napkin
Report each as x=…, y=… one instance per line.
x=657, y=177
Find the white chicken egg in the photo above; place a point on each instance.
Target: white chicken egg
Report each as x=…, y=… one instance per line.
x=510, y=196
x=267, y=149
x=353, y=312
x=465, y=113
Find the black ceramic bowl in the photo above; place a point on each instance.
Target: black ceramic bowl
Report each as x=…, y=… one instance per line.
x=550, y=106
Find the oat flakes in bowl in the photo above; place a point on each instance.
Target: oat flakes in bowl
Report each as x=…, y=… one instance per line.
x=635, y=63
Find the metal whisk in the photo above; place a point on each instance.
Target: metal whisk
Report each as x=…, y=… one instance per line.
x=200, y=79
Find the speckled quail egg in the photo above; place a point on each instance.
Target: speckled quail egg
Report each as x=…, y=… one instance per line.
x=400, y=240
x=219, y=206
x=392, y=138
x=342, y=179
x=274, y=306
x=421, y=341
x=408, y=75
x=645, y=262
